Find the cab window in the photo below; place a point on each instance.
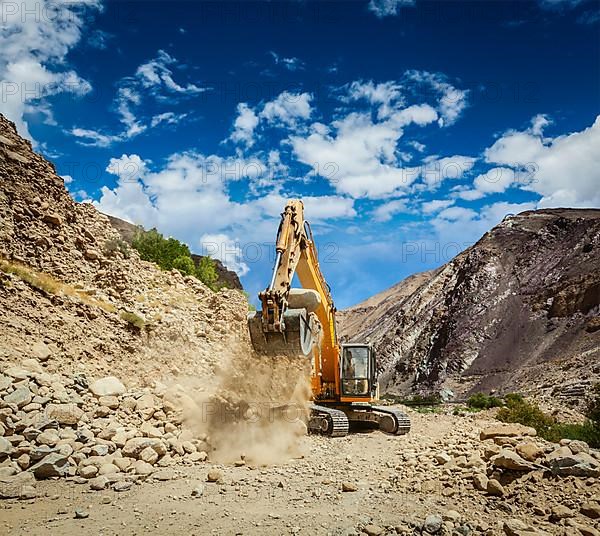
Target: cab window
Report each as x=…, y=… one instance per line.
x=355, y=371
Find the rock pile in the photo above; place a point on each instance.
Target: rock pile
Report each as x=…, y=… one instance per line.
x=99, y=432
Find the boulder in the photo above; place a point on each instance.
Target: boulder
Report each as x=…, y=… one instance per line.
x=111, y=402
x=149, y=455
x=581, y=464
x=136, y=445
x=20, y=397
x=214, y=475
x=41, y=351
x=13, y=487
x=6, y=448
x=98, y=483
x=507, y=430
x=432, y=524
x=53, y=464
x=65, y=414
x=142, y=468
x=529, y=451
x=480, y=481
x=516, y=527
x=508, y=459
x=108, y=386
x=495, y=488
x=591, y=509
x=48, y=437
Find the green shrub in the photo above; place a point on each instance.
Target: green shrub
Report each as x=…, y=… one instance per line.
x=483, y=401
x=133, y=319
x=170, y=253
x=519, y=410
x=206, y=271
x=185, y=265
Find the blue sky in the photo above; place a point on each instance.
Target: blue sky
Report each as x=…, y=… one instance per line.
x=409, y=128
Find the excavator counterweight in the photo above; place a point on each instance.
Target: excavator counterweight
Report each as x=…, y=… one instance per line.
x=301, y=323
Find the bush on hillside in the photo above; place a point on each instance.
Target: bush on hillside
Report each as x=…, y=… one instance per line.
x=170, y=253
x=483, y=401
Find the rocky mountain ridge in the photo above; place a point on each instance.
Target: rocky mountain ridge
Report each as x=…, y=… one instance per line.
x=516, y=311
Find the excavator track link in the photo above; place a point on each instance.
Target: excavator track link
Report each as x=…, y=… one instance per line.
x=337, y=421
x=401, y=419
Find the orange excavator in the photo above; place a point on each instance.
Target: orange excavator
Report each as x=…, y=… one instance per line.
x=300, y=322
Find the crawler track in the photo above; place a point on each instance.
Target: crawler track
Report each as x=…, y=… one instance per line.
x=328, y=421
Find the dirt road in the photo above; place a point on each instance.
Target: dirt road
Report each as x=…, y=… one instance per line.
x=398, y=483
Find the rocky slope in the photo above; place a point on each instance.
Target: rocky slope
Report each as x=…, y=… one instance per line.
x=227, y=278
x=518, y=310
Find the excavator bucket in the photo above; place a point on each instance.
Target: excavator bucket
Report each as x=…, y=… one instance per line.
x=300, y=333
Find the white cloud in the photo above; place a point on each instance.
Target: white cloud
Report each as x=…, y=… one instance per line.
x=191, y=192
x=153, y=79
x=452, y=101
x=287, y=108
x=128, y=167
x=435, y=169
x=385, y=95
x=244, y=125
x=564, y=170
x=35, y=39
x=358, y=156
x=291, y=64
x=386, y=8
x=431, y=207
x=386, y=211
x=227, y=250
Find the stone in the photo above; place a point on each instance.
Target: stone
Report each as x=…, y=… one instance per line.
x=198, y=491
x=442, y=458
x=495, y=488
x=41, y=351
x=164, y=475
x=52, y=218
x=451, y=515
x=349, y=486
x=20, y=397
x=122, y=485
x=108, y=386
x=507, y=430
x=432, y=524
x=111, y=402
x=11, y=487
x=529, y=451
x=146, y=402
x=373, y=530
x=508, y=459
x=81, y=514
x=32, y=365
x=91, y=254
x=48, y=437
x=28, y=492
x=214, y=475
x=149, y=455
x=88, y=471
x=591, y=509
x=5, y=382
x=133, y=447
x=560, y=511
x=122, y=463
x=516, y=527
x=142, y=468
x=150, y=431
x=576, y=446
x=54, y=464
x=98, y=483
x=23, y=461
x=581, y=464
x=99, y=450
x=6, y=448
x=480, y=481
x=108, y=469
x=65, y=414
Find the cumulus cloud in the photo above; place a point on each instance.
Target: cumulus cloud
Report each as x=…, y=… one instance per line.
x=431, y=207
x=227, y=250
x=564, y=170
x=244, y=125
x=291, y=64
x=287, y=108
x=152, y=80
x=387, y=211
x=386, y=8
x=190, y=192
x=35, y=39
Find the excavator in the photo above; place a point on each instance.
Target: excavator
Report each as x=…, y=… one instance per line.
x=300, y=322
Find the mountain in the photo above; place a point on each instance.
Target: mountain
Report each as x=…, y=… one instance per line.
x=519, y=310
x=227, y=278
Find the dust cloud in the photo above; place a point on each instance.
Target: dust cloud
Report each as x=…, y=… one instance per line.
x=254, y=409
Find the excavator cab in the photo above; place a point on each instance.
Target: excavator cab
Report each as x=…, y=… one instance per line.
x=358, y=371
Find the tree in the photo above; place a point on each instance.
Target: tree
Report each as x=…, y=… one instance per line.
x=185, y=265
x=207, y=272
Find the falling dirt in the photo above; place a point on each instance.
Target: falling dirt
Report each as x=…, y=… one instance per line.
x=254, y=409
